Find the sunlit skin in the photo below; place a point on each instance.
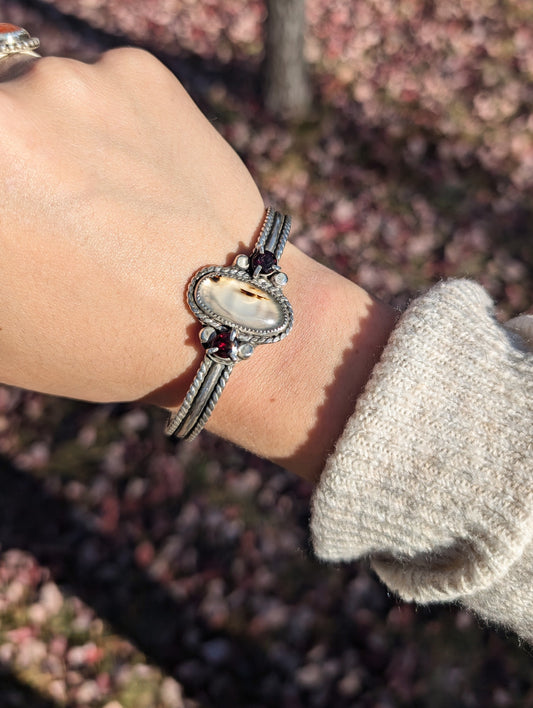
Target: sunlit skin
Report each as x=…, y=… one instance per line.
x=115, y=190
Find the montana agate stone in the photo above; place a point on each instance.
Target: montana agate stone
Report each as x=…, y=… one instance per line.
x=240, y=302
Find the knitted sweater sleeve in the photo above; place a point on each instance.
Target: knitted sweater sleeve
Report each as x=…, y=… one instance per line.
x=432, y=478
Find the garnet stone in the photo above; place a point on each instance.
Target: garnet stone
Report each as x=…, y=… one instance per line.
x=266, y=261
x=223, y=342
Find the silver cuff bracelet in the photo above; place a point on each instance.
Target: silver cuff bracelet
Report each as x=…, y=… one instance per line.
x=240, y=307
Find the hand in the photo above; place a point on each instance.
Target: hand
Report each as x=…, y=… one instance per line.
x=115, y=189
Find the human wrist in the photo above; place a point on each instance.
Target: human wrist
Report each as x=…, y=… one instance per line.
x=290, y=401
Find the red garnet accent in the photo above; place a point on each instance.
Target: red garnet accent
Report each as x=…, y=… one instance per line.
x=223, y=342
x=266, y=261
x=6, y=28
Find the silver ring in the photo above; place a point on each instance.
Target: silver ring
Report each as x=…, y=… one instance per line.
x=16, y=40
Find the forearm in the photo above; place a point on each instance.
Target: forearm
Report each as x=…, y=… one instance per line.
x=293, y=405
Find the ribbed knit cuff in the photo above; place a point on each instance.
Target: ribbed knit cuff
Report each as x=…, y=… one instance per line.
x=432, y=476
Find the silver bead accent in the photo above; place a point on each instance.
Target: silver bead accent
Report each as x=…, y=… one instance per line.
x=245, y=350
x=280, y=279
x=242, y=261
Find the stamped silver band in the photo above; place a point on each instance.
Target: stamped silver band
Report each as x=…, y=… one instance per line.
x=240, y=306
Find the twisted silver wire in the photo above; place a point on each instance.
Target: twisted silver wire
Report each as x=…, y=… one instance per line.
x=175, y=420
x=283, y=237
x=222, y=381
x=265, y=229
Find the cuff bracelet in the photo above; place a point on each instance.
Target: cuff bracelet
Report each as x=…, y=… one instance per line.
x=240, y=306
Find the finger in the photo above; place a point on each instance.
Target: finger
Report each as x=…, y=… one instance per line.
x=15, y=65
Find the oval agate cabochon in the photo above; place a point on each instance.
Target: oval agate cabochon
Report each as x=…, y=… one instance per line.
x=240, y=302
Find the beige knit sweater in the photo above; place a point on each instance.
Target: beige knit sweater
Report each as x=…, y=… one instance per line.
x=432, y=479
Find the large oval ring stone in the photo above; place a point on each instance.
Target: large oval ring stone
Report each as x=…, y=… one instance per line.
x=240, y=302
x=11, y=34
x=6, y=28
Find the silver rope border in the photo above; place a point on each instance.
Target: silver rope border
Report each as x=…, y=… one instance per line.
x=208, y=317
